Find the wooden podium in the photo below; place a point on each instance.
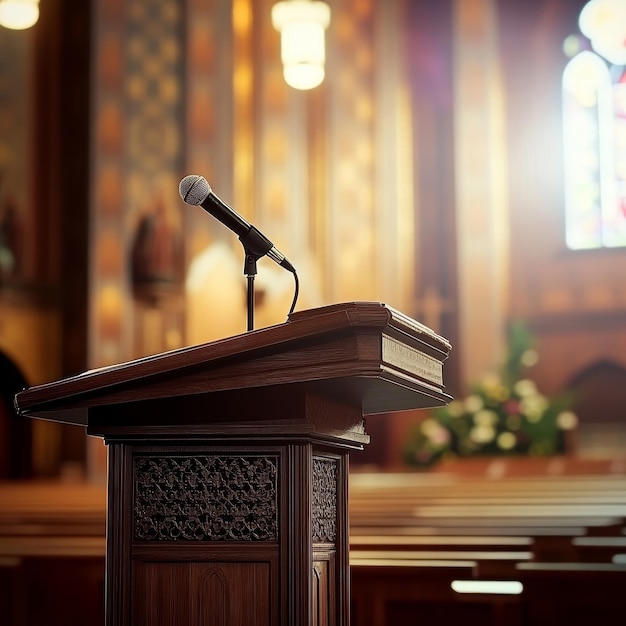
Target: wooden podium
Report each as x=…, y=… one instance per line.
x=228, y=463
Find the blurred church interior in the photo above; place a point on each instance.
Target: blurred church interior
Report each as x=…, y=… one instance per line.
x=439, y=167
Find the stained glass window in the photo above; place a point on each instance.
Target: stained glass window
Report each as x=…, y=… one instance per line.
x=594, y=130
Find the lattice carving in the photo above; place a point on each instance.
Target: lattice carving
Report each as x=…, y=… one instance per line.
x=324, y=500
x=205, y=498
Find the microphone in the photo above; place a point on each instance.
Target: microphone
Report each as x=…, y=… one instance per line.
x=195, y=190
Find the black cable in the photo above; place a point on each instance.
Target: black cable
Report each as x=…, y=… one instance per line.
x=295, y=295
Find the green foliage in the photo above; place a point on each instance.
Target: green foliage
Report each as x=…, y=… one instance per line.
x=504, y=414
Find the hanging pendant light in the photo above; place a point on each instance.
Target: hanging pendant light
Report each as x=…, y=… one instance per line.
x=301, y=24
x=19, y=14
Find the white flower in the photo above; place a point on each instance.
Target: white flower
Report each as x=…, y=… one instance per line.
x=506, y=441
x=482, y=434
x=534, y=407
x=434, y=431
x=529, y=358
x=492, y=384
x=491, y=381
x=429, y=425
x=455, y=408
x=485, y=418
x=566, y=420
x=525, y=387
x=473, y=404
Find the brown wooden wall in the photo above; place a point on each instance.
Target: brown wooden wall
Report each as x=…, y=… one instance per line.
x=43, y=298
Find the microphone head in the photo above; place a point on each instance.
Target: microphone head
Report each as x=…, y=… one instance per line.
x=194, y=189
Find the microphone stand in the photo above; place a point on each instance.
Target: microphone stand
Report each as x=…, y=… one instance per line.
x=250, y=271
x=255, y=245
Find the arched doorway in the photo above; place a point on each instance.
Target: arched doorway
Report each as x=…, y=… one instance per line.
x=599, y=392
x=15, y=431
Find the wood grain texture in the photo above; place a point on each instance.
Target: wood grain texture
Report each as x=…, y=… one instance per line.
x=196, y=594
x=338, y=349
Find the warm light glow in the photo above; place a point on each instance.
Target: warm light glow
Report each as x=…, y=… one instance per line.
x=604, y=23
x=584, y=75
x=19, y=14
x=510, y=587
x=594, y=162
x=594, y=131
x=612, y=48
x=302, y=24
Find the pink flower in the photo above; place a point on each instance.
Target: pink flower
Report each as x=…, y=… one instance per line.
x=512, y=407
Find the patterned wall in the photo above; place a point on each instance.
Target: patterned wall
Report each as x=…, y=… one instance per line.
x=137, y=225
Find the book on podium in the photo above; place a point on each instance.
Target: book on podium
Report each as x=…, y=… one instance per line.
x=228, y=462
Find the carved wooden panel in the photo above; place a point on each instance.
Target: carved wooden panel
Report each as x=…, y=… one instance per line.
x=324, y=521
x=205, y=498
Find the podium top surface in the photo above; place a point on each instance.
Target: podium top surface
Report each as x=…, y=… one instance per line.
x=365, y=353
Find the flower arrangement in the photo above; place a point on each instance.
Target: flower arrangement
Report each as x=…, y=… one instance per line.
x=504, y=414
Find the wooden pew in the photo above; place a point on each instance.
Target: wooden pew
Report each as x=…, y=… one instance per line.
x=465, y=498
x=546, y=518
x=396, y=591
x=389, y=521
x=546, y=544
x=573, y=594
x=389, y=592
x=599, y=549
x=52, y=509
x=11, y=591
x=439, y=542
x=52, y=581
x=496, y=564
x=52, y=550
x=549, y=510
